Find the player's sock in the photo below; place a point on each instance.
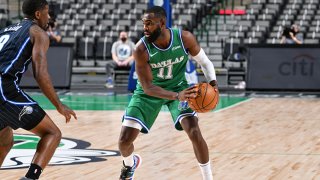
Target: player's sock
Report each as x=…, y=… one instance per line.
x=128, y=161
x=206, y=171
x=34, y=172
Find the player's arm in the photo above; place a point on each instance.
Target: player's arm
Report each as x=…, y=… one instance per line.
x=40, y=42
x=144, y=73
x=198, y=54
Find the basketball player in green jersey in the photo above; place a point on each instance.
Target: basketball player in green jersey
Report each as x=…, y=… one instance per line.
x=161, y=57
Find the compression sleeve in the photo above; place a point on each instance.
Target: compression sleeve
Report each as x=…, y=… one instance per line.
x=206, y=65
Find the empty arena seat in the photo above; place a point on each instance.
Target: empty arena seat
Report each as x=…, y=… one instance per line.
x=311, y=41
x=255, y=34
x=273, y=41
x=86, y=48
x=251, y=40
x=235, y=63
x=313, y=35
x=103, y=49
x=3, y=22
x=237, y=34
x=230, y=47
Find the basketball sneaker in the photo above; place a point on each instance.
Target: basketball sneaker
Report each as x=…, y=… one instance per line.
x=109, y=83
x=127, y=172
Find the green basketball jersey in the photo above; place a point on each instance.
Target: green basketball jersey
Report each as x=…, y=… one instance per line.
x=168, y=65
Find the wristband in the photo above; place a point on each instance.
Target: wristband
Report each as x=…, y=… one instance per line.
x=213, y=83
x=177, y=96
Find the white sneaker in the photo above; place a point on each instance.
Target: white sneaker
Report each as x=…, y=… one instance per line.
x=127, y=172
x=109, y=83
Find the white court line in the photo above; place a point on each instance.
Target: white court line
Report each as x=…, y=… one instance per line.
x=23, y=142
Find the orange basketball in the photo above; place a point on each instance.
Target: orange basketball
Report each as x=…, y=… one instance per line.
x=206, y=100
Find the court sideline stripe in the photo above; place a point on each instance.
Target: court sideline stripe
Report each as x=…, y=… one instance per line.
x=233, y=105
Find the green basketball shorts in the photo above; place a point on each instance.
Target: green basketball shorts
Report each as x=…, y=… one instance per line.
x=144, y=109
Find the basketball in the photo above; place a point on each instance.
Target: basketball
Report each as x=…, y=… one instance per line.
x=206, y=100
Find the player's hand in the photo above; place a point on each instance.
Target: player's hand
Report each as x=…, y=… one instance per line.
x=191, y=92
x=66, y=112
x=214, y=84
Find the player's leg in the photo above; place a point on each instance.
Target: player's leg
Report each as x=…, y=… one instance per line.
x=186, y=120
x=127, y=136
x=6, y=142
x=191, y=127
x=50, y=137
x=134, y=120
x=129, y=132
x=133, y=123
x=23, y=112
x=200, y=147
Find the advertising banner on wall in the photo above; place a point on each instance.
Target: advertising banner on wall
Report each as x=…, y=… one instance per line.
x=284, y=67
x=59, y=66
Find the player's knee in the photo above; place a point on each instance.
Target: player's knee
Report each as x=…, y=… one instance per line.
x=55, y=135
x=124, y=142
x=194, y=134
x=58, y=135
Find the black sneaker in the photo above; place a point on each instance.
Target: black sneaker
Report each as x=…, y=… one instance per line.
x=127, y=172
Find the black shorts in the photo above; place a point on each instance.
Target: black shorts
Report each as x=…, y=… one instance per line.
x=17, y=109
x=20, y=115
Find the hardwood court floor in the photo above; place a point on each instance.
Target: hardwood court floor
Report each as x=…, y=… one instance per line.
x=263, y=138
